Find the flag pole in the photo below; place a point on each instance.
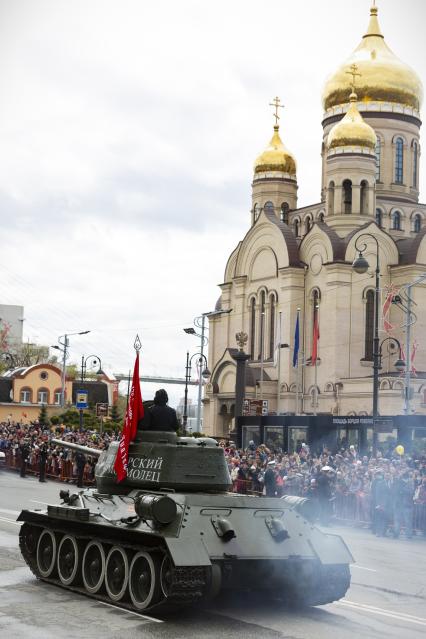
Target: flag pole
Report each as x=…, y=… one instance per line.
x=316, y=360
x=297, y=364
x=279, y=363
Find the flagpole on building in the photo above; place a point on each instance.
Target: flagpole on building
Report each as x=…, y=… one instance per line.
x=316, y=330
x=296, y=360
x=279, y=363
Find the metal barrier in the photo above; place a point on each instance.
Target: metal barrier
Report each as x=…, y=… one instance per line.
x=56, y=467
x=356, y=509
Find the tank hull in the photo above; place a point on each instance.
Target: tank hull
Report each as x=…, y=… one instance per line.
x=99, y=545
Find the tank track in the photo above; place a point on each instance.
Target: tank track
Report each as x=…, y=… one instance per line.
x=188, y=585
x=331, y=584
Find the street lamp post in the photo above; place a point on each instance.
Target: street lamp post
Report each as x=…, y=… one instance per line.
x=205, y=374
x=64, y=350
x=360, y=266
x=95, y=360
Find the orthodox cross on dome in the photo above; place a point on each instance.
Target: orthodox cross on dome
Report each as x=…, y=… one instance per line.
x=353, y=71
x=276, y=103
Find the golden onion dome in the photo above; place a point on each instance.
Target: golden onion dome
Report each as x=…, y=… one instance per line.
x=275, y=157
x=384, y=78
x=352, y=130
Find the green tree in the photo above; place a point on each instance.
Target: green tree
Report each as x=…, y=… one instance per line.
x=116, y=416
x=42, y=418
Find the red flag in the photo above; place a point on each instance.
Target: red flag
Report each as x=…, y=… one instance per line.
x=134, y=413
x=315, y=339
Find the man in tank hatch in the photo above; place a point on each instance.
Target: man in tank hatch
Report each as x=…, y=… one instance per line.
x=159, y=416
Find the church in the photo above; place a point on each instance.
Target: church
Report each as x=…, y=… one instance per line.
x=290, y=287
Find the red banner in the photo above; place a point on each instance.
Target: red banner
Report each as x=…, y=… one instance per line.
x=315, y=339
x=134, y=413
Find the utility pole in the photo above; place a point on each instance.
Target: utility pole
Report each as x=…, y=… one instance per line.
x=65, y=345
x=200, y=381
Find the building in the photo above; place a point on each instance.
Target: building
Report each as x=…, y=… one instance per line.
x=297, y=262
x=11, y=326
x=24, y=390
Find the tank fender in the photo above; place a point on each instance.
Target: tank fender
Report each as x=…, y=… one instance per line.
x=193, y=553
x=331, y=549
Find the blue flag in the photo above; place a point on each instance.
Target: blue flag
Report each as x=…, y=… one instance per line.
x=296, y=343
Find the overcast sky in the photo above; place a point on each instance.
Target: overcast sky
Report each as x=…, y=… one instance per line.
x=128, y=132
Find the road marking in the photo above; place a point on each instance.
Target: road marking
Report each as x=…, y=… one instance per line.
x=11, y=521
x=132, y=612
x=363, y=568
x=400, y=616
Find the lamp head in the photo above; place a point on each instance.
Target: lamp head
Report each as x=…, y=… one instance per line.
x=360, y=264
x=189, y=331
x=206, y=373
x=399, y=365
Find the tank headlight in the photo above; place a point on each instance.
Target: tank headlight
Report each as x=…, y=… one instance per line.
x=158, y=508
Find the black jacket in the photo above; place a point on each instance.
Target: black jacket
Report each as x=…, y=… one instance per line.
x=162, y=418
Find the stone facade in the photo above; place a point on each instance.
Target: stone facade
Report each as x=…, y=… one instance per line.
x=302, y=259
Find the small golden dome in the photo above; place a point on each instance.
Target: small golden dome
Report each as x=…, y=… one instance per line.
x=352, y=130
x=275, y=157
x=384, y=78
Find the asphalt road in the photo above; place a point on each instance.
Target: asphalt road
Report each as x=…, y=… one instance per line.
x=387, y=597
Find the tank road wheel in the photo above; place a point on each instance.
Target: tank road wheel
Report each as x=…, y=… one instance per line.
x=166, y=575
x=46, y=553
x=69, y=560
x=116, y=573
x=93, y=567
x=144, y=587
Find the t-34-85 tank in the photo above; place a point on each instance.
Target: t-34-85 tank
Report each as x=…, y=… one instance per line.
x=171, y=533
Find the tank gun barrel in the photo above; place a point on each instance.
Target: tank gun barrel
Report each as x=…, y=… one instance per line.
x=95, y=452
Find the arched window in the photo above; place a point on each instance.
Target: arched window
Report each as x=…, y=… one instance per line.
x=347, y=196
x=396, y=221
x=262, y=325
x=25, y=395
x=417, y=223
x=269, y=207
x=256, y=211
x=378, y=158
x=285, y=208
x=296, y=228
x=43, y=396
x=379, y=218
x=331, y=198
x=369, y=325
x=308, y=224
x=252, y=327
x=321, y=217
x=399, y=160
x=415, y=162
x=364, y=197
x=272, y=303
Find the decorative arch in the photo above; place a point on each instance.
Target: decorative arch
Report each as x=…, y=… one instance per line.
x=329, y=387
x=416, y=222
x=399, y=144
x=385, y=384
x=42, y=393
x=296, y=226
x=308, y=223
x=26, y=395
x=284, y=213
x=269, y=206
x=284, y=388
x=331, y=188
x=364, y=191
x=398, y=385
x=396, y=217
x=347, y=196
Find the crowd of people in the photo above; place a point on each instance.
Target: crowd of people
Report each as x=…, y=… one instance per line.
x=30, y=446
x=381, y=491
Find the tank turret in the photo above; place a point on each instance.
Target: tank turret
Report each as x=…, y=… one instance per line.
x=162, y=461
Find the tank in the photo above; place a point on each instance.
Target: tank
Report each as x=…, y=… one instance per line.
x=172, y=534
